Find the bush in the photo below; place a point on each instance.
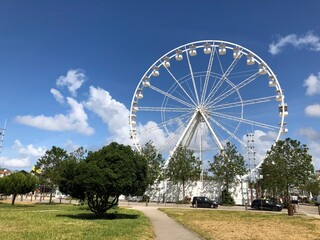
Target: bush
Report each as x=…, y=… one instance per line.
x=227, y=199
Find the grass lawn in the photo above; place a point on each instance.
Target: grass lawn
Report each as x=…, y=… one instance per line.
x=218, y=224
x=64, y=221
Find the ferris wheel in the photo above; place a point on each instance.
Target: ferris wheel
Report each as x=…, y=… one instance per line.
x=204, y=94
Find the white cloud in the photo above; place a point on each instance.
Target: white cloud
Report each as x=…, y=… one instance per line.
x=313, y=84
x=73, y=80
x=57, y=95
x=309, y=41
x=313, y=110
x=313, y=143
x=76, y=120
x=309, y=133
x=112, y=112
x=26, y=156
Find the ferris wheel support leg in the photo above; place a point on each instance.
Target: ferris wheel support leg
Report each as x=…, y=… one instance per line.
x=212, y=132
x=182, y=137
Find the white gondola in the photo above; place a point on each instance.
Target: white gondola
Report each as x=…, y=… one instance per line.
x=283, y=110
x=135, y=107
x=155, y=71
x=250, y=59
x=272, y=81
x=146, y=82
x=279, y=96
x=179, y=56
x=222, y=49
x=166, y=62
x=262, y=69
x=139, y=94
x=236, y=52
x=192, y=51
x=133, y=120
x=207, y=48
x=284, y=130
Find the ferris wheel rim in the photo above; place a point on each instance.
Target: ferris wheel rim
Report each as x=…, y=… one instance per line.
x=201, y=44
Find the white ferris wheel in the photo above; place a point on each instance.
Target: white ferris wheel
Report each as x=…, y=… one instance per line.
x=204, y=94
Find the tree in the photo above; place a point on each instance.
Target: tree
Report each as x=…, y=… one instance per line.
x=227, y=167
x=287, y=164
x=17, y=183
x=313, y=185
x=104, y=175
x=183, y=166
x=155, y=163
x=48, y=164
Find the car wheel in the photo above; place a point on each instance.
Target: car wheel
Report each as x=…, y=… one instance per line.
x=212, y=205
x=275, y=209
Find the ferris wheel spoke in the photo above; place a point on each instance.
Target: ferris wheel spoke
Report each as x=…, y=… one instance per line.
x=171, y=96
x=182, y=88
x=179, y=129
x=205, y=86
x=242, y=103
x=164, y=109
x=233, y=89
x=247, y=121
x=228, y=132
x=192, y=77
x=221, y=80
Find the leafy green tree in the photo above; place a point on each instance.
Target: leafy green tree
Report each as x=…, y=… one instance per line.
x=287, y=164
x=155, y=163
x=17, y=183
x=104, y=175
x=313, y=185
x=227, y=167
x=183, y=166
x=48, y=164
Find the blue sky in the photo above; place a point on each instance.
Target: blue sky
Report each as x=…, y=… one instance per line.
x=69, y=69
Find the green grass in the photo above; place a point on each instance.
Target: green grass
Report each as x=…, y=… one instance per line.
x=218, y=224
x=63, y=221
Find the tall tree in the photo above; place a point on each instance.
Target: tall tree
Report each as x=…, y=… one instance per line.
x=287, y=164
x=155, y=163
x=48, y=164
x=227, y=166
x=17, y=183
x=104, y=175
x=183, y=166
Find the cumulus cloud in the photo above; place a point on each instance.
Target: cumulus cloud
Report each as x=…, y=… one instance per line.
x=73, y=80
x=76, y=120
x=309, y=41
x=112, y=113
x=313, y=84
x=313, y=110
x=25, y=157
x=313, y=143
x=57, y=95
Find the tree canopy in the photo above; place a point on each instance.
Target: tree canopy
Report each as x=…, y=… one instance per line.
x=47, y=166
x=155, y=163
x=227, y=166
x=287, y=164
x=183, y=166
x=104, y=175
x=18, y=183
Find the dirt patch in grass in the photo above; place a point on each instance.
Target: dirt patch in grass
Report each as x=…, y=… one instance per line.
x=246, y=225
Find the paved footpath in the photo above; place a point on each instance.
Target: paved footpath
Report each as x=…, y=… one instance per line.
x=165, y=227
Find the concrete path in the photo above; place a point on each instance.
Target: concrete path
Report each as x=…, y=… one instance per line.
x=165, y=227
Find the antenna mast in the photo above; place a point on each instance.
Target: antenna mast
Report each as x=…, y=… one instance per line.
x=2, y=132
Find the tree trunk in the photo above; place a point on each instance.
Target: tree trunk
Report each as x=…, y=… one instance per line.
x=13, y=198
x=183, y=193
x=50, y=200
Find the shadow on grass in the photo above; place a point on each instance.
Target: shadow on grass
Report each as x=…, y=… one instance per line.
x=108, y=216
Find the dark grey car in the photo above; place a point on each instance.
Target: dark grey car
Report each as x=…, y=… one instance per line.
x=204, y=202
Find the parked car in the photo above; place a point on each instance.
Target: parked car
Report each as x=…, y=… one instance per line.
x=201, y=201
x=265, y=204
